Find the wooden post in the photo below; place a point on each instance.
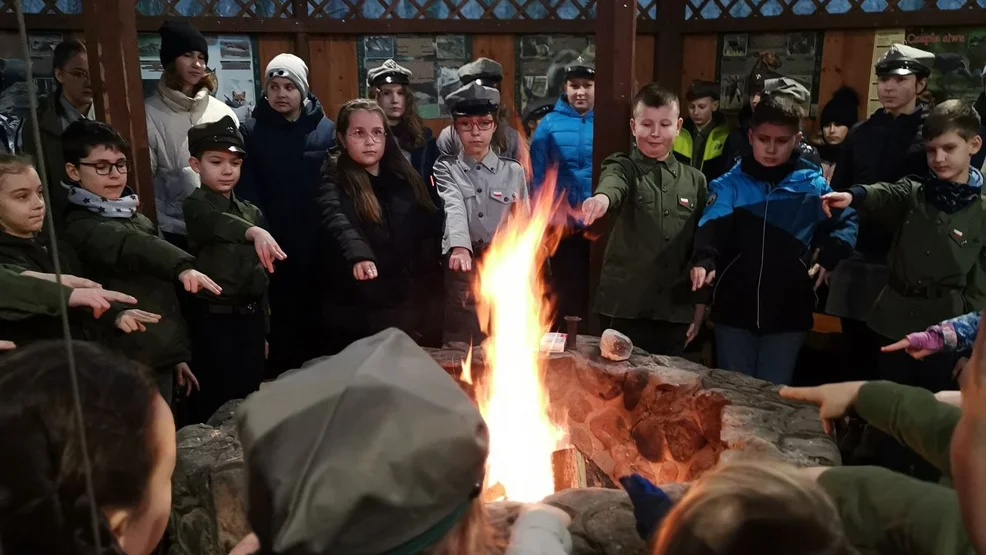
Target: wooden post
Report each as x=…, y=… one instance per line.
x=300, y=8
x=111, y=39
x=668, y=49
x=616, y=34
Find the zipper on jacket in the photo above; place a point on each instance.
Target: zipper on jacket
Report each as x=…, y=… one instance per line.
x=719, y=279
x=763, y=249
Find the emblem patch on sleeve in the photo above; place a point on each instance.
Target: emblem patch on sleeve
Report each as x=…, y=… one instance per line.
x=712, y=199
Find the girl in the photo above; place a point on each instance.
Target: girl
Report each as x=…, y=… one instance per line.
x=288, y=138
x=388, y=85
x=130, y=436
x=183, y=99
x=384, y=232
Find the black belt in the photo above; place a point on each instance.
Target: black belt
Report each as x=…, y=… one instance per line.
x=242, y=310
x=917, y=291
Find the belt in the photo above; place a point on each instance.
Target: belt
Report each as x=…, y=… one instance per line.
x=242, y=310
x=917, y=291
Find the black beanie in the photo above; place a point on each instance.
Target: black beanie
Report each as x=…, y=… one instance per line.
x=843, y=109
x=178, y=37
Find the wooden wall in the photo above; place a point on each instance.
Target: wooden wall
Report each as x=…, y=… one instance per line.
x=846, y=59
x=334, y=73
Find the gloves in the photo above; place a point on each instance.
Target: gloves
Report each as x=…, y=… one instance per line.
x=650, y=504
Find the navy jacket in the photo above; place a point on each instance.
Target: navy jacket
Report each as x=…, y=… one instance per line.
x=758, y=233
x=282, y=174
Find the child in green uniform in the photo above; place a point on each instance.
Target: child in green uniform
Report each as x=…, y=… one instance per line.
x=655, y=203
x=22, y=212
x=120, y=248
x=938, y=259
x=228, y=332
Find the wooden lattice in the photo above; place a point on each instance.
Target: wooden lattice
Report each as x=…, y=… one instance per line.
x=44, y=7
x=742, y=9
x=455, y=9
x=216, y=8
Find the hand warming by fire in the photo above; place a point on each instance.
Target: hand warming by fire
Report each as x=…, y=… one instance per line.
x=515, y=312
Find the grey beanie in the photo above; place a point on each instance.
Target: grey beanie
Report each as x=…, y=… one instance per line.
x=290, y=67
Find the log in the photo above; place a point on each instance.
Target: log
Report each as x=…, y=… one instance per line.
x=568, y=466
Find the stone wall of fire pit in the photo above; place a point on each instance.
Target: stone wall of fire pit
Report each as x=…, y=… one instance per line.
x=668, y=419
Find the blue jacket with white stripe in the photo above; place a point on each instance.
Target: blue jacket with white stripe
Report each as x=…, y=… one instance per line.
x=759, y=232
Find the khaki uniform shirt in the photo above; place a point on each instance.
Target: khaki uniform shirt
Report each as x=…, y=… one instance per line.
x=477, y=196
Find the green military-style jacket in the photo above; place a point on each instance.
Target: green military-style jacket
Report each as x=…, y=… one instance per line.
x=126, y=255
x=889, y=513
x=653, y=214
x=23, y=296
x=217, y=229
x=940, y=257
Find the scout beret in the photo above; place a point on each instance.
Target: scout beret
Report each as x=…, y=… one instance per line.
x=473, y=99
x=488, y=72
x=388, y=74
x=901, y=59
x=374, y=450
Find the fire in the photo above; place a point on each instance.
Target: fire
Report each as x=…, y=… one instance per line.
x=467, y=367
x=515, y=313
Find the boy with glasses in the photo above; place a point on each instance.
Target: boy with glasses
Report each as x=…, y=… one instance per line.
x=120, y=248
x=478, y=187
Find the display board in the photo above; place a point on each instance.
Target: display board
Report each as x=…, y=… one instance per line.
x=432, y=59
x=960, y=59
x=231, y=57
x=795, y=55
x=540, y=65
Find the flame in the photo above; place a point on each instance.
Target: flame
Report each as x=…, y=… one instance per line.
x=515, y=313
x=467, y=367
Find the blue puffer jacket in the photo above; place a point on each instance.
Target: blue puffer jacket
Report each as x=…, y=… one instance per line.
x=758, y=233
x=282, y=174
x=564, y=138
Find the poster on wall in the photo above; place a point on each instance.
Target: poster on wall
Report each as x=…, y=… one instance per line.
x=960, y=60
x=541, y=62
x=432, y=59
x=231, y=57
x=794, y=55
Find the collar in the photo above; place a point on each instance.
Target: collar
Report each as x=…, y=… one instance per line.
x=72, y=114
x=491, y=161
x=775, y=175
x=670, y=163
x=14, y=241
x=219, y=201
x=177, y=101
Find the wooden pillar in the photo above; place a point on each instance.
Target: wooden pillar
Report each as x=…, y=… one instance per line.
x=300, y=8
x=669, y=51
x=616, y=34
x=114, y=64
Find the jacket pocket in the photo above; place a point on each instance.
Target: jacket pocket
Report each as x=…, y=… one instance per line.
x=503, y=195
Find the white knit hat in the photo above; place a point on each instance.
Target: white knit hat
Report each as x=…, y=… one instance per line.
x=290, y=67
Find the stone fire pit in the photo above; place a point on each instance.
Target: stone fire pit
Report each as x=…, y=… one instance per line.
x=668, y=419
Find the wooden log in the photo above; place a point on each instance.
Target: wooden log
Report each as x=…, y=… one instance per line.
x=568, y=466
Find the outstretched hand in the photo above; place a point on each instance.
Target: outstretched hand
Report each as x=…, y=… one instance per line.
x=833, y=400
x=905, y=345
x=701, y=277
x=835, y=200
x=267, y=248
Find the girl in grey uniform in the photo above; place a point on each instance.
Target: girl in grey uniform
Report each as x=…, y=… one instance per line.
x=478, y=187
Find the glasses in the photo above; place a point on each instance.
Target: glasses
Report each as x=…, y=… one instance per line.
x=376, y=135
x=80, y=74
x=105, y=168
x=465, y=125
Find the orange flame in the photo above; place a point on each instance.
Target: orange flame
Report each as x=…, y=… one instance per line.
x=467, y=367
x=515, y=312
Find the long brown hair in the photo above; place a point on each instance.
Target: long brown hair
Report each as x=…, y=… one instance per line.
x=412, y=133
x=174, y=81
x=473, y=534
x=353, y=178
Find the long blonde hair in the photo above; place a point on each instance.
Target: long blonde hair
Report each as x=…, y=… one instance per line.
x=472, y=535
x=754, y=508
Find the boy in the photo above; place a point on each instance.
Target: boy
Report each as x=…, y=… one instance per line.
x=22, y=212
x=938, y=261
x=703, y=135
x=228, y=332
x=762, y=222
x=656, y=202
x=120, y=248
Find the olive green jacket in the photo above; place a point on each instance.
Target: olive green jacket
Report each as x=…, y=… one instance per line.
x=126, y=255
x=653, y=214
x=22, y=296
x=889, y=513
x=217, y=229
x=944, y=253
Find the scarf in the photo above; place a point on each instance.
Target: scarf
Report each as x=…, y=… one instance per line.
x=950, y=197
x=773, y=175
x=123, y=207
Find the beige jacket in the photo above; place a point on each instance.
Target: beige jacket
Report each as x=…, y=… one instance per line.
x=170, y=114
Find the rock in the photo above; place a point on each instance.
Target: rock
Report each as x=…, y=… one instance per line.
x=615, y=346
x=649, y=437
x=684, y=439
x=602, y=521
x=610, y=428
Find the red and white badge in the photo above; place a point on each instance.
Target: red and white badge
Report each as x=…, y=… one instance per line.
x=957, y=234
x=497, y=194
x=684, y=202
